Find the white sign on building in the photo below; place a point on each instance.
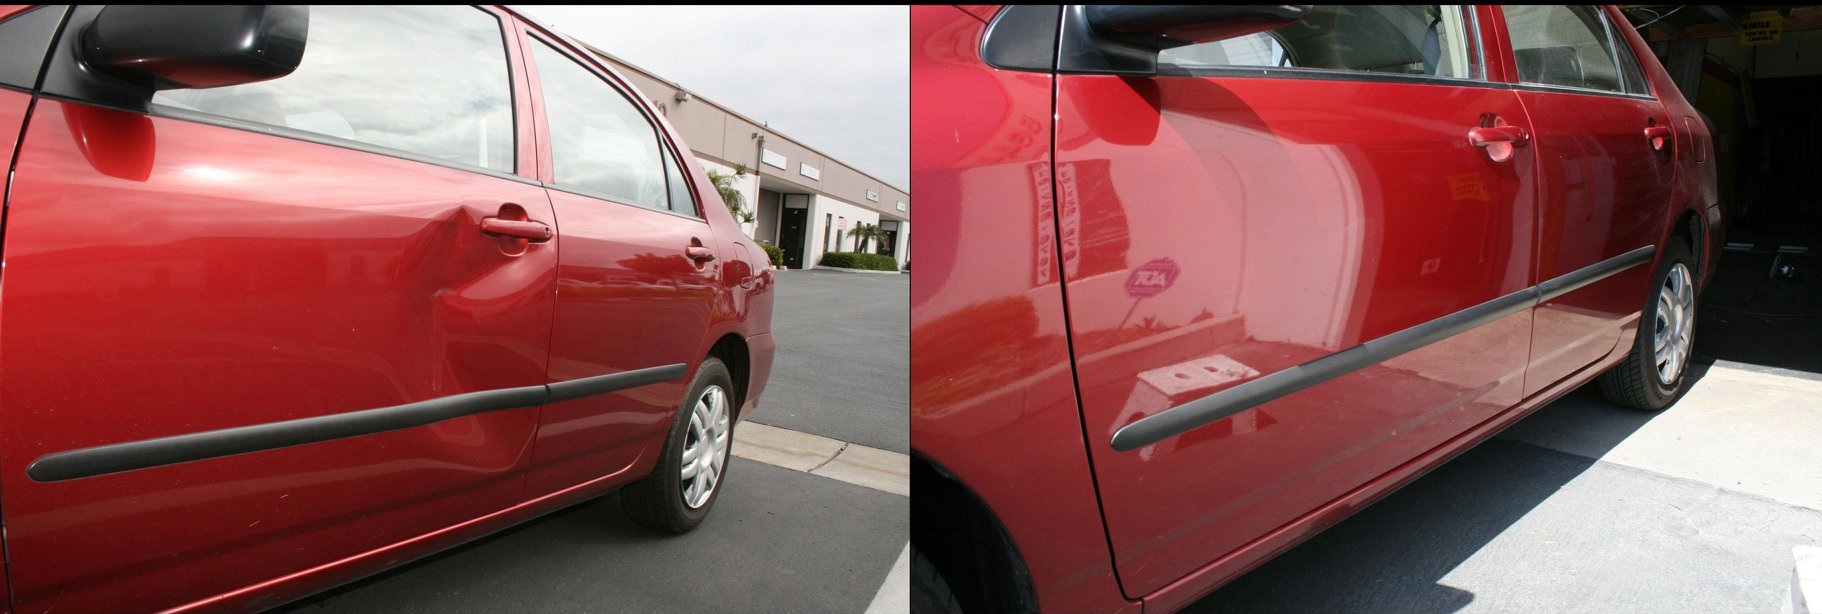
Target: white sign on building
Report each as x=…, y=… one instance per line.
x=773, y=158
x=872, y=196
x=810, y=171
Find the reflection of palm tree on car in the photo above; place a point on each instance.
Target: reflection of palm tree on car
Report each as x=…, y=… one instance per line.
x=736, y=202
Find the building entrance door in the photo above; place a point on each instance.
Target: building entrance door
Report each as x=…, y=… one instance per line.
x=790, y=235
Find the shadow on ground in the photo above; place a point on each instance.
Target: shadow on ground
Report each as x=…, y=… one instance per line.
x=778, y=541
x=1393, y=555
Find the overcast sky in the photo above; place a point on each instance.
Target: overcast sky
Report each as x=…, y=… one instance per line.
x=834, y=78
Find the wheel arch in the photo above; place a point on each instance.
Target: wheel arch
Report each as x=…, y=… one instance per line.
x=956, y=530
x=731, y=349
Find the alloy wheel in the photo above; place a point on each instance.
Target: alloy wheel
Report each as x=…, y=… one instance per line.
x=705, y=447
x=1670, y=343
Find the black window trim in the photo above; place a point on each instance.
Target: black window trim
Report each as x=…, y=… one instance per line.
x=1619, y=40
x=199, y=117
x=625, y=91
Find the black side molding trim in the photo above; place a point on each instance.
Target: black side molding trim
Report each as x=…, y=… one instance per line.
x=115, y=458
x=1182, y=418
x=1575, y=279
x=602, y=384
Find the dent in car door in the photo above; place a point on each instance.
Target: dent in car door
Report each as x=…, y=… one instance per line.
x=1230, y=234
x=167, y=277
x=1603, y=191
x=635, y=280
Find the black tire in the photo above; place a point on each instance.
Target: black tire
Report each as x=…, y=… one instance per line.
x=658, y=500
x=1635, y=382
x=930, y=593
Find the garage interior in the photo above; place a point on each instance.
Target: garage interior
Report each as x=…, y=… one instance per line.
x=1755, y=71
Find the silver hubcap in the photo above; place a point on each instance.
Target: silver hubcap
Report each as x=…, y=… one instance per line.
x=705, y=447
x=1675, y=324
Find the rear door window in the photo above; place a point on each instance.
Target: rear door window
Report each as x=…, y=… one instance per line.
x=431, y=81
x=1568, y=46
x=599, y=141
x=1419, y=40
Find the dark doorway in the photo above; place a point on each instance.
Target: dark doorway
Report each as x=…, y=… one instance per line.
x=790, y=235
x=889, y=245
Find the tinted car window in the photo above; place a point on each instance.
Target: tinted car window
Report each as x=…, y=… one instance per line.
x=599, y=141
x=429, y=80
x=1631, y=73
x=1562, y=45
x=682, y=200
x=1428, y=40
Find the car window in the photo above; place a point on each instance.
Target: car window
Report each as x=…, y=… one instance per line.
x=1631, y=73
x=1425, y=40
x=682, y=199
x=1562, y=45
x=599, y=141
x=427, y=80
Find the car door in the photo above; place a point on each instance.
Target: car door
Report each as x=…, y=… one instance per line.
x=26, y=33
x=1289, y=270
x=1602, y=186
x=246, y=267
x=635, y=279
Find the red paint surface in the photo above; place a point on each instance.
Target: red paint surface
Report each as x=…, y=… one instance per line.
x=1307, y=216
x=166, y=277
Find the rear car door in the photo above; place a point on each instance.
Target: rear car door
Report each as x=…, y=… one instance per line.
x=1251, y=240
x=636, y=278
x=266, y=255
x=1602, y=186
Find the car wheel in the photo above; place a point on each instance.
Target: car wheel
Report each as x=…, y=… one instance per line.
x=694, y=462
x=930, y=593
x=1651, y=377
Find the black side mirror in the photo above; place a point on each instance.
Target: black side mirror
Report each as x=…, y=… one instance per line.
x=1126, y=39
x=178, y=47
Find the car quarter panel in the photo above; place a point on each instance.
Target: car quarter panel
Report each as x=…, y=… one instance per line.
x=991, y=392
x=1222, y=227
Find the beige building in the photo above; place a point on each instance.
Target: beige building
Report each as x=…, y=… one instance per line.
x=803, y=201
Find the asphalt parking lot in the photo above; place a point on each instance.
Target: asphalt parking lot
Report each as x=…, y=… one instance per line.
x=1584, y=507
x=781, y=538
x=848, y=372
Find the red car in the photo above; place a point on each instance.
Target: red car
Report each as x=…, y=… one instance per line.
x=293, y=295
x=1199, y=281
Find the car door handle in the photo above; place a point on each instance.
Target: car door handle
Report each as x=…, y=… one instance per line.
x=1659, y=137
x=699, y=253
x=1488, y=136
x=536, y=232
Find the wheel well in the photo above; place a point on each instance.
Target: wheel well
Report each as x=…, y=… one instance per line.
x=956, y=531
x=1689, y=228
x=732, y=350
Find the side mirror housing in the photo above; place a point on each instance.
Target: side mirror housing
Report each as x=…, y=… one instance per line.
x=1126, y=39
x=178, y=47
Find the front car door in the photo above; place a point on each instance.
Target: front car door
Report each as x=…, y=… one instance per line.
x=1288, y=271
x=273, y=255
x=636, y=279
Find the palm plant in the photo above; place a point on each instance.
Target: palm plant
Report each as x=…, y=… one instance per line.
x=864, y=232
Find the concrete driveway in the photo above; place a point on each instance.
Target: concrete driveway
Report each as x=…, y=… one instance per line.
x=1584, y=507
